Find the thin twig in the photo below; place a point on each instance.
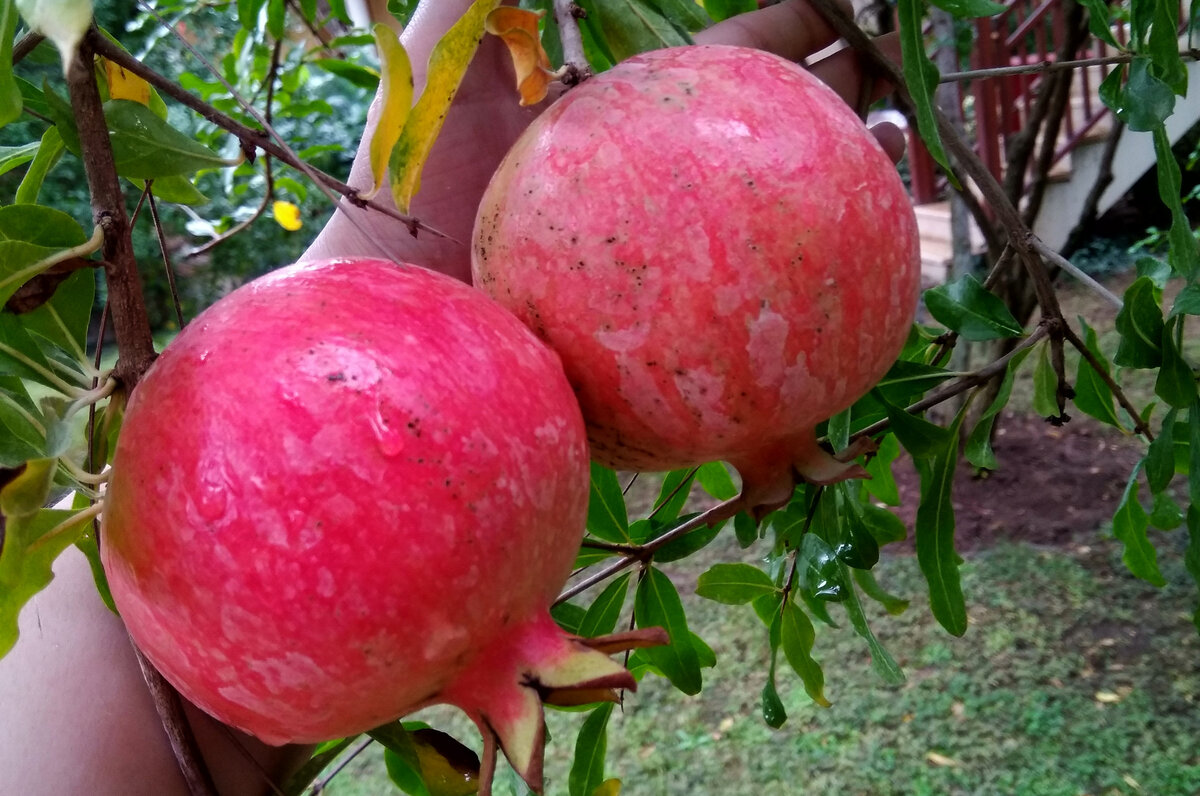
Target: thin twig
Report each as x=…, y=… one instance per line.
x=250, y=138
x=718, y=513
x=963, y=384
x=25, y=46
x=1140, y=426
x=1051, y=66
x=567, y=13
x=353, y=752
x=166, y=256
x=1059, y=261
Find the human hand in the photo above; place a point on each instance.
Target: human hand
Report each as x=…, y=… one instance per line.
x=485, y=120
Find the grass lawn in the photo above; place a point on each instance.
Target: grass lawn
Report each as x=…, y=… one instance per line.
x=1074, y=678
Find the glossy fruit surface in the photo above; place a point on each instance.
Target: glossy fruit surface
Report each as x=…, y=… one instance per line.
x=719, y=250
x=348, y=490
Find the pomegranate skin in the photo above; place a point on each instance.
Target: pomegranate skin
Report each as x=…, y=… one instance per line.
x=718, y=249
x=337, y=488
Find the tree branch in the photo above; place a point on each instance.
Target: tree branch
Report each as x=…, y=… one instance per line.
x=1042, y=67
x=568, y=14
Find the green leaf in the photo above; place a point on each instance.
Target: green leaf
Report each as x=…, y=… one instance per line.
x=1193, y=453
x=31, y=543
x=921, y=75
x=714, y=479
x=1163, y=47
x=1098, y=21
x=602, y=615
x=607, y=518
x=774, y=713
x=979, y=450
x=1140, y=324
x=447, y=64
x=881, y=660
x=919, y=437
x=354, y=74
x=1184, y=252
x=1112, y=86
x=734, y=584
x=1191, y=556
x=1187, y=302
x=25, y=431
x=797, y=637
x=48, y=154
x=882, y=524
x=323, y=755
x=892, y=604
x=1176, y=384
x=65, y=318
x=87, y=545
x=1045, y=383
x=935, y=535
x=687, y=544
x=1158, y=271
x=427, y=761
x=1160, y=456
x=587, y=768
x=1130, y=524
x=276, y=17
x=656, y=604
x=20, y=355
x=819, y=569
x=721, y=10
x=569, y=616
x=11, y=101
x=746, y=529
x=1166, y=514
x=1093, y=396
x=882, y=484
x=13, y=156
x=676, y=487
x=969, y=9
x=248, y=11
x=630, y=27
x=146, y=147
x=685, y=15
x=1145, y=102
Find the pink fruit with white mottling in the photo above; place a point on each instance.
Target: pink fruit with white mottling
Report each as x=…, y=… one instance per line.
x=348, y=490
x=719, y=250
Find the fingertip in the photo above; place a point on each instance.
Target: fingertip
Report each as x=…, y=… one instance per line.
x=891, y=138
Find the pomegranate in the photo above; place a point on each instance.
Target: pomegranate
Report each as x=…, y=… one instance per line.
x=349, y=490
x=720, y=252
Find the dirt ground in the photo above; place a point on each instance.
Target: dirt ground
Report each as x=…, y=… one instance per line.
x=1053, y=484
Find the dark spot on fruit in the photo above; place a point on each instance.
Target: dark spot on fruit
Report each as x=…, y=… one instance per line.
x=338, y=376
x=611, y=239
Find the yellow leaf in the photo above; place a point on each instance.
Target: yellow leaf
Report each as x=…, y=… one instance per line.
x=125, y=85
x=609, y=787
x=287, y=215
x=447, y=65
x=448, y=767
x=1108, y=697
x=396, y=89
x=940, y=759
x=518, y=28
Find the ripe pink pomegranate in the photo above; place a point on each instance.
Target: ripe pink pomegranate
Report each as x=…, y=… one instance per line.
x=720, y=252
x=350, y=490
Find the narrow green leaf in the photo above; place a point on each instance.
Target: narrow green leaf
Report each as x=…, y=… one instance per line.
x=1140, y=324
x=921, y=75
x=881, y=660
x=892, y=604
x=978, y=449
x=1193, y=452
x=1112, y=86
x=1145, y=102
x=64, y=319
x=969, y=9
x=20, y=354
x=1045, y=383
x=1166, y=515
x=1187, y=302
x=935, y=535
x=1098, y=21
x=657, y=604
x=1160, y=456
x=919, y=437
x=48, y=154
x=569, y=617
x=686, y=15
x=746, y=530
x=276, y=18
x=724, y=9
x=687, y=544
x=31, y=544
x=819, y=569
x=676, y=487
x=248, y=11
x=882, y=524
x=1175, y=384
x=146, y=147
x=11, y=101
x=797, y=637
x=447, y=64
x=630, y=27
x=1130, y=524
x=1191, y=556
x=714, y=479
x=1093, y=396
x=602, y=615
x=1184, y=252
x=323, y=755
x=13, y=156
x=734, y=584
x=607, y=518
x=774, y=713
x=354, y=74
x=966, y=307
x=587, y=768
x=882, y=484
x=1163, y=47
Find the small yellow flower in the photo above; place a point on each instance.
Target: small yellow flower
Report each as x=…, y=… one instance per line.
x=287, y=215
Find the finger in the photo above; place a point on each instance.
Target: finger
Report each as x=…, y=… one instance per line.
x=791, y=29
x=844, y=71
x=891, y=138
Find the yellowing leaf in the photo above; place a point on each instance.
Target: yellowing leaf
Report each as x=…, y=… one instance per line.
x=125, y=85
x=1108, y=697
x=447, y=64
x=287, y=215
x=518, y=27
x=396, y=90
x=609, y=787
x=940, y=760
